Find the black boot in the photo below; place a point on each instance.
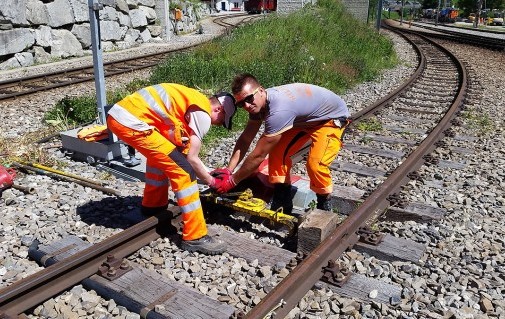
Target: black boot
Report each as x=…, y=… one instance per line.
x=282, y=198
x=324, y=202
x=151, y=211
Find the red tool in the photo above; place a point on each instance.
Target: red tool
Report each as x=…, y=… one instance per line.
x=6, y=177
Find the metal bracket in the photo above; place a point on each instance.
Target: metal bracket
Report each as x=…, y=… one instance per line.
x=415, y=176
x=114, y=268
x=336, y=273
x=430, y=159
x=396, y=200
x=369, y=236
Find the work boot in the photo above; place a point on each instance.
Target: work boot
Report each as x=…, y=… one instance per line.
x=282, y=198
x=151, y=211
x=324, y=202
x=205, y=245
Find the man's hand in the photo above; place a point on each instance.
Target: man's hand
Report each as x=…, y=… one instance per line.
x=223, y=183
x=218, y=172
x=215, y=181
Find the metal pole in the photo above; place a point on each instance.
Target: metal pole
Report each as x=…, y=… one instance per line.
x=166, y=14
x=94, y=10
x=379, y=15
x=401, y=13
x=438, y=13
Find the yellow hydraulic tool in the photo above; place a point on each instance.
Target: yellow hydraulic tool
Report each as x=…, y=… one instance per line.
x=246, y=203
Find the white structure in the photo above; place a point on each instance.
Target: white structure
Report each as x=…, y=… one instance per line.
x=231, y=5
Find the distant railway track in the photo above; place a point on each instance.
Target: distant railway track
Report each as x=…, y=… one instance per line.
x=482, y=39
x=417, y=117
x=18, y=87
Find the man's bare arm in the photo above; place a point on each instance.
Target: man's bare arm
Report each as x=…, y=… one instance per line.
x=243, y=142
x=253, y=160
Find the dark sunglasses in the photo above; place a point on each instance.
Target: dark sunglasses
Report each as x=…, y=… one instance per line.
x=248, y=99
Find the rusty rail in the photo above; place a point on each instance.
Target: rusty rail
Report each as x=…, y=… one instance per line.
x=290, y=291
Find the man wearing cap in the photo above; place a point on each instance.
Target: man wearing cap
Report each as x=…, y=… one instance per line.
x=166, y=123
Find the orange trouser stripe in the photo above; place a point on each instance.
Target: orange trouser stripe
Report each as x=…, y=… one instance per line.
x=325, y=145
x=162, y=167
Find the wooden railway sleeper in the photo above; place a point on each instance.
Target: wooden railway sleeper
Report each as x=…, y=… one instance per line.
x=336, y=273
x=114, y=268
x=369, y=236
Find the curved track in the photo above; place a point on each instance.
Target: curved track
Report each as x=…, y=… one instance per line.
x=420, y=110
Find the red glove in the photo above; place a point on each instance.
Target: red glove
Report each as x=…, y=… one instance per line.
x=214, y=182
x=223, y=183
x=220, y=171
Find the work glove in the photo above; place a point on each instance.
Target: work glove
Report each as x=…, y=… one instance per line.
x=220, y=171
x=223, y=183
x=215, y=180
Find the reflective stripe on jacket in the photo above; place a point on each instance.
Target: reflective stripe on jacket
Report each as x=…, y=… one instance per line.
x=162, y=106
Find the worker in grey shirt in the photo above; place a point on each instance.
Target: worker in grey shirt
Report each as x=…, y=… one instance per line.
x=294, y=114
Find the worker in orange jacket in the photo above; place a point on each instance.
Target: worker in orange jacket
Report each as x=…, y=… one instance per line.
x=166, y=123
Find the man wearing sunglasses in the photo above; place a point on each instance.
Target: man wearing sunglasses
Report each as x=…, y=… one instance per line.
x=166, y=123
x=294, y=114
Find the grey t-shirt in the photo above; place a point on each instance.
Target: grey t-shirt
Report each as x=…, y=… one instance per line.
x=299, y=105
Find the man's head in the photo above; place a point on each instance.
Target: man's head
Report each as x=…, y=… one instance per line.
x=222, y=109
x=248, y=93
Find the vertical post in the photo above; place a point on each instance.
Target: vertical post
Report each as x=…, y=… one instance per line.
x=438, y=13
x=94, y=8
x=401, y=13
x=166, y=14
x=379, y=15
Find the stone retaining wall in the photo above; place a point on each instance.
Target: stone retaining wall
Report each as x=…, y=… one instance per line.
x=40, y=31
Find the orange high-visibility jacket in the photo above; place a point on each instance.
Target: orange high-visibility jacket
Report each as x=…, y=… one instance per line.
x=164, y=107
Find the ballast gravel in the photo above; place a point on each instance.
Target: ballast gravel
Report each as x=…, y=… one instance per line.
x=461, y=275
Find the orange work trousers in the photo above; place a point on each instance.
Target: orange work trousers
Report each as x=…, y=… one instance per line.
x=166, y=164
x=325, y=145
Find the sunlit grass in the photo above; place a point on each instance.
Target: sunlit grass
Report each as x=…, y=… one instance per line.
x=322, y=45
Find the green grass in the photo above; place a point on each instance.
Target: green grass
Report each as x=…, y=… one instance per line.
x=322, y=45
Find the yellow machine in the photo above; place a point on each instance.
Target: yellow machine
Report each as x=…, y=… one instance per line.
x=246, y=203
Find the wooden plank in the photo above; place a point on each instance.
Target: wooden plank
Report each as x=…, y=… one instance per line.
x=318, y=225
x=359, y=287
x=389, y=140
x=357, y=169
x=251, y=249
x=465, y=138
x=150, y=294
x=461, y=150
x=451, y=164
x=346, y=199
x=393, y=248
x=410, y=119
x=374, y=151
x=418, y=111
x=418, y=212
x=404, y=129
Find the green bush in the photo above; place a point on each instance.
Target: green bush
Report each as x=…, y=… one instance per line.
x=321, y=44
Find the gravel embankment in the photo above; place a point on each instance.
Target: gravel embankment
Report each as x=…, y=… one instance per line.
x=461, y=275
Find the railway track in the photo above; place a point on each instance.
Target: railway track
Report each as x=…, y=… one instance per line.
x=18, y=87
x=417, y=118
x=483, y=39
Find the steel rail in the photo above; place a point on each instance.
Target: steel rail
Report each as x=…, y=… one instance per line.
x=279, y=301
x=33, y=290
